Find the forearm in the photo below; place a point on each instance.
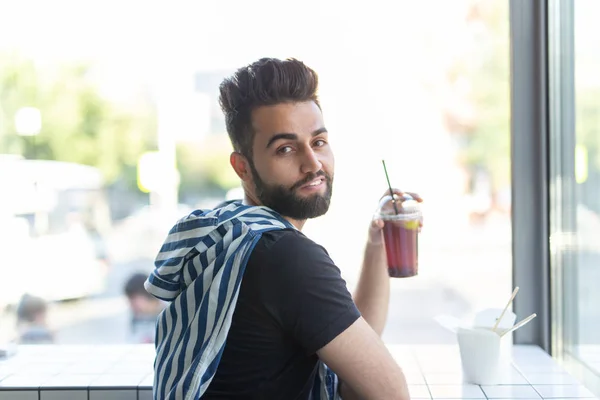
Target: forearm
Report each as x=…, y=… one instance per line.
x=372, y=297
x=346, y=393
x=364, y=366
x=373, y=291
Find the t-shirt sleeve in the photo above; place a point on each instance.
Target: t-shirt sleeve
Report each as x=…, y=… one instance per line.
x=307, y=295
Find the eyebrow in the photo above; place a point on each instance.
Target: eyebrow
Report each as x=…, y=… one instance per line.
x=292, y=136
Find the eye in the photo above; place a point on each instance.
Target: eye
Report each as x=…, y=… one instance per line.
x=284, y=150
x=319, y=143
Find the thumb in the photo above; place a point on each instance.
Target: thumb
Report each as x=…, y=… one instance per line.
x=377, y=224
x=375, y=232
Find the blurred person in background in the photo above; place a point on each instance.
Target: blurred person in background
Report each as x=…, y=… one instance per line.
x=32, y=324
x=144, y=309
x=290, y=327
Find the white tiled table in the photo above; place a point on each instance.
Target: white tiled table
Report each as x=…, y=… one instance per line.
x=125, y=373
x=434, y=372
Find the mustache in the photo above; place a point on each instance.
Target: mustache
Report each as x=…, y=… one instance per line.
x=310, y=178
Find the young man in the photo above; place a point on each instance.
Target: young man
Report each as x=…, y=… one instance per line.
x=32, y=324
x=144, y=308
x=258, y=310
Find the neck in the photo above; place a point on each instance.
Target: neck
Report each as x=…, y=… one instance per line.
x=299, y=224
x=251, y=201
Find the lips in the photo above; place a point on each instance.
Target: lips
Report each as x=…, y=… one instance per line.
x=313, y=183
x=315, y=179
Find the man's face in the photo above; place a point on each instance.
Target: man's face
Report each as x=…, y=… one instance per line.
x=292, y=165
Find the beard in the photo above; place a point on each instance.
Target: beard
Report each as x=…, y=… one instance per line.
x=285, y=201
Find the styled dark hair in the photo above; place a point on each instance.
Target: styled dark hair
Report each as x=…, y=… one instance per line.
x=135, y=286
x=30, y=307
x=266, y=82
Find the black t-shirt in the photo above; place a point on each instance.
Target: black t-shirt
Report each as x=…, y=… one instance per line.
x=292, y=302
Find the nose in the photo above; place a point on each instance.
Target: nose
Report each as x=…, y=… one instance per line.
x=310, y=162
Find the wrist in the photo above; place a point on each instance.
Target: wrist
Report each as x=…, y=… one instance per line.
x=375, y=239
x=375, y=254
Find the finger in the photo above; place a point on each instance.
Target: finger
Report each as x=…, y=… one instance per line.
x=399, y=192
x=396, y=192
x=415, y=196
x=375, y=232
x=377, y=224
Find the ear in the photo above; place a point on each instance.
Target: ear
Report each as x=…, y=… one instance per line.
x=241, y=166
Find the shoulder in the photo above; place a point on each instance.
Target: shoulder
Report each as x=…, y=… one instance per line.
x=289, y=245
x=288, y=258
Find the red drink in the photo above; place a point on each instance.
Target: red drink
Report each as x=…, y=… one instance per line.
x=401, y=218
x=401, y=247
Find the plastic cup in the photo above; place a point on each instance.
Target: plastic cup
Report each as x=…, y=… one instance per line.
x=401, y=234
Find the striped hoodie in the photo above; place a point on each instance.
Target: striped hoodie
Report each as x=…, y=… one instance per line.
x=198, y=271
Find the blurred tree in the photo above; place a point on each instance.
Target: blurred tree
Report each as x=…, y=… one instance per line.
x=484, y=129
x=78, y=124
x=204, y=168
x=588, y=122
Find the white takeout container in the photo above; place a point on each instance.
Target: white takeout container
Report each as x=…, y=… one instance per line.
x=485, y=355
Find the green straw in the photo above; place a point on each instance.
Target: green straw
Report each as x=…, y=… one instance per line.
x=390, y=186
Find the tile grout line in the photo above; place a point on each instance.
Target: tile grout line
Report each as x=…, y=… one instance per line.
x=424, y=379
x=483, y=391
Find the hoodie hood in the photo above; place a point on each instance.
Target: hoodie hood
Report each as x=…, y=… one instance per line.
x=199, y=239
x=199, y=270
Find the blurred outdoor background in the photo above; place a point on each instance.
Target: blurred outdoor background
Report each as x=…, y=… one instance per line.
x=110, y=131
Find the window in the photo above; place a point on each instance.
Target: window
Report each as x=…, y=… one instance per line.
x=424, y=86
x=575, y=184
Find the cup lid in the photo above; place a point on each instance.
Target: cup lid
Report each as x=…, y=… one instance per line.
x=408, y=208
